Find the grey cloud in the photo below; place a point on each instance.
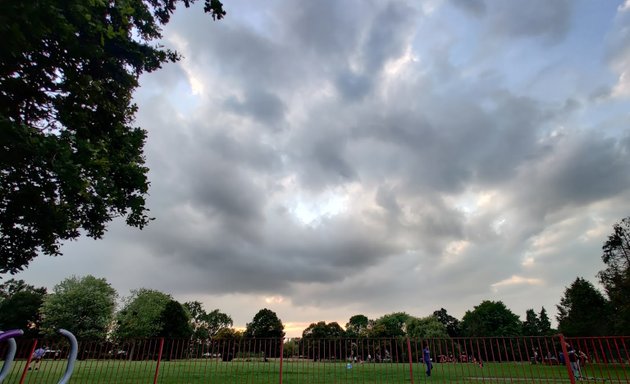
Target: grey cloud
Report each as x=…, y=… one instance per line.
x=536, y=18
x=327, y=29
x=261, y=105
x=353, y=86
x=580, y=170
x=475, y=7
x=391, y=28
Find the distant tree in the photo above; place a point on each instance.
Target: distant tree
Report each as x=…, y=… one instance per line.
x=616, y=276
x=71, y=159
x=425, y=327
x=530, y=325
x=453, y=326
x=390, y=325
x=544, y=324
x=228, y=334
x=217, y=320
x=206, y=325
x=490, y=318
x=583, y=310
x=321, y=330
x=175, y=321
x=82, y=305
x=21, y=311
x=141, y=315
x=265, y=324
x=291, y=348
x=357, y=326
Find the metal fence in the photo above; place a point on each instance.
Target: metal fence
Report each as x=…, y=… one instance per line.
x=362, y=360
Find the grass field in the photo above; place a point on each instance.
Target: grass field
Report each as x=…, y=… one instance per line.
x=307, y=372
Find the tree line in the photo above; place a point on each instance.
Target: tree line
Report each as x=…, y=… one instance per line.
x=87, y=307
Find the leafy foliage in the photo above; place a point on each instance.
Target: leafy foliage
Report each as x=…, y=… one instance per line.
x=583, y=310
x=357, y=326
x=175, y=321
x=141, y=315
x=21, y=311
x=426, y=327
x=265, y=324
x=453, y=325
x=544, y=324
x=206, y=325
x=616, y=276
x=82, y=305
x=530, y=325
x=321, y=330
x=490, y=318
x=390, y=325
x=71, y=160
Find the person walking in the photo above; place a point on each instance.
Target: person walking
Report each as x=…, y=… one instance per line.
x=426, y=357
x=38, y=355
x=574, y=362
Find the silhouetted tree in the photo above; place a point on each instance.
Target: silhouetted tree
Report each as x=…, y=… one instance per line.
x=583, y=310
x=616, y=277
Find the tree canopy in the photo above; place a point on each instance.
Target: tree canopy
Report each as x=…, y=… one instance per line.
x=71, y=159
x=490, y=318
x=321, y=330
x=175, y=321
x=616, y=276
x=390, y=325
x=265, y=324
x=583, y=310
x=82, y=305
x=141, y=315
x=426, y=327
x=453, y=325
x=207, y=325
x=357, y=326
x=20, y=306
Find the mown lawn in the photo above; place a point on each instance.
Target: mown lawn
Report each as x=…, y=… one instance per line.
x=307, y=372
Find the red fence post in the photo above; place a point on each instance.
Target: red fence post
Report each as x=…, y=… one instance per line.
x=281, y=357
x=410, y=360
x=28, y=361
x=157, y=367
x=565, y=352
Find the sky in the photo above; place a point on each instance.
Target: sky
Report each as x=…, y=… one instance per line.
x=329, y=158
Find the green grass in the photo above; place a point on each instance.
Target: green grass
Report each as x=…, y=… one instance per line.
x=307, y=372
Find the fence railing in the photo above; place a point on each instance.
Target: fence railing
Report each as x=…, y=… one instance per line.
x=304, y=361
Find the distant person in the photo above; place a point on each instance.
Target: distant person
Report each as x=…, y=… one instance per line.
x=426, y=357
x=38, y=355
x=573, y=361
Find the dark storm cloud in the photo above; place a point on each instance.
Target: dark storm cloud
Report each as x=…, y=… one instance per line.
x=577, y=171
x=259, y=104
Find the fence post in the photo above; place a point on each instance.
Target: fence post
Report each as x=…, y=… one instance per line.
x=281, y=357
x=410, y=360
x=28, y=361
x=563, y=345
x=157, y=367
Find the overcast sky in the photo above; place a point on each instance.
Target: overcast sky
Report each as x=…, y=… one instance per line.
x=337, y=157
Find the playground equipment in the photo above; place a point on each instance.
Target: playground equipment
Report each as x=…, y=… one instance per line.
x=8, y=359
x=9, y=336
x=72, y=357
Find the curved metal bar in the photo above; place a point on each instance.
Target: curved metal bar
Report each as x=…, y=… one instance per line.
x=72, y=357
x=8, y=358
